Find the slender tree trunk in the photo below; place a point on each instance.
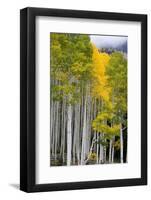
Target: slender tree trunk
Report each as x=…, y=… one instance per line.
x=110, y=150
x=56, y=130
x=83, y=134
x=94, y=114
x=69, y=136
x=78, y=138
x=113, y=149
x=88, y=138
x=63, y=122
x=101, y=154
x=97, y=150
x=121, y=144
x=74, y=134
x=51, y=128
x=113, y=154
x=127, y=151
x=104, y=151
x=91, y=149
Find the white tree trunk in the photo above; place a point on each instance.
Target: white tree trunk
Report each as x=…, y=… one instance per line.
x=91, y=148
x=97, y=149
x=101, y=154
x=110, y=150
x=121, y=144
x=56, y=129
x=69, y=136
x=62, y=151
x=104, y=152
x=83, y=135
x=78, y=141
x=88, y=131
x=75, y=133
x=113, y=149
x=51, y=129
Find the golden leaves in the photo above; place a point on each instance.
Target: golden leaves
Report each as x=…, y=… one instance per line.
x=100, y=60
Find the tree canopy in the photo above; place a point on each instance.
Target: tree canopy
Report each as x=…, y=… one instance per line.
x=88, y=100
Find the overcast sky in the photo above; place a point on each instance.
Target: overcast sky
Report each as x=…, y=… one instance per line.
x=108, y=41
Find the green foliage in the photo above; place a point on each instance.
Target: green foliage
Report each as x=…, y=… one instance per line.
x=104, y=128
x=78, y=66
x=116, y=72
x=71, y=65
x=92, y=156
x=114, y=111
x=102, y=141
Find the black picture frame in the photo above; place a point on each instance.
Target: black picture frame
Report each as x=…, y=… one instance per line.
x=28, y=98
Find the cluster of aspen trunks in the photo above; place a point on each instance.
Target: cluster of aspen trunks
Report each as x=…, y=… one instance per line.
x=73, y=141
x=88, y=102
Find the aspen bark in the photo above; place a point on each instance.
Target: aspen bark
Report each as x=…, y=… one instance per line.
x=101, y=154
x=69, y=136
x=91, y=149
x=112, y=160
x=121, y=144
x=113, y=154
x=97, y=150
x=78, y=137
x=110, y=150
x=83, y=135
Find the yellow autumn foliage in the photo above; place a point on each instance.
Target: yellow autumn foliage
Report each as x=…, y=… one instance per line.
x=100, y=60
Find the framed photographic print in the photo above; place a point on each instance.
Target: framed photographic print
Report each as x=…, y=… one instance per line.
x=83, y=99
